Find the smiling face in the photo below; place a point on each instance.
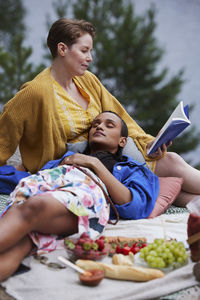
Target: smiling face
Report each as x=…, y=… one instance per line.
x=77, y=57
x=105, y=133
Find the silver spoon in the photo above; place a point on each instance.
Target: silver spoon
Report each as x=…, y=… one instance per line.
x=73, y=266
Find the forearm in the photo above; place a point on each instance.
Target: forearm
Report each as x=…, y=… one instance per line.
x=119, y=193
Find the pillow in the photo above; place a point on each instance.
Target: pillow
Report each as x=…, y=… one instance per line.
x=131, y=150
x=77, y=147
x=169, y=189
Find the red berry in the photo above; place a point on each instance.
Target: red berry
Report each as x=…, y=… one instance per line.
x=78, y=250
x=100, y=244
x=126, y=250
x=118, y=249
x=84, y=235
x=135, y=249
x=81, y=241
x=143, y=245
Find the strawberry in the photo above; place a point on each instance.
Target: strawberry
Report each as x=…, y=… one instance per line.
x=126, y=250
x=78, y=250
x=135, y=248
x=92, y=254
x=81, y=241
x=118, y=249
x=100, y=243
x=84, y=235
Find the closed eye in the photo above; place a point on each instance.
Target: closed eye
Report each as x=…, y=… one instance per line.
x=110, y=124
x=95, y=124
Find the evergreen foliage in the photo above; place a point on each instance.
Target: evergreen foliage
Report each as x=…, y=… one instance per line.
x=126, y=56
x=15, y=68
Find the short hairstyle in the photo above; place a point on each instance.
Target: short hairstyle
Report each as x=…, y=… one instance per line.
x=67, y=31
x=124, y=129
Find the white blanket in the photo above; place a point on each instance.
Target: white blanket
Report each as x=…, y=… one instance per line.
x=42, y=283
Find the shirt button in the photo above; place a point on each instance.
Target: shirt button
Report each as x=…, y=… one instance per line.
x=119, y=167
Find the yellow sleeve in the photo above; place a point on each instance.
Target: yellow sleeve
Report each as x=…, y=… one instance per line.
x=13, y=119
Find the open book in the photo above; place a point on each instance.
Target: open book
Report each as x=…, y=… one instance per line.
x=176, y=123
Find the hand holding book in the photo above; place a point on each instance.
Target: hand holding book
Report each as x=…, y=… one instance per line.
x=159, y=152
x=176, y=123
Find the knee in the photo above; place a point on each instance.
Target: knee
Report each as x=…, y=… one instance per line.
x=32, y=208
x=173, y=158
x=171, y=164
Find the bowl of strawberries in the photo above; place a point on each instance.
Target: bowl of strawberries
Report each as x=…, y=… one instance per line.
x=86, y=248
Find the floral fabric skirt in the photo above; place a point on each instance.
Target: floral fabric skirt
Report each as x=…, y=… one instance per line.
x=75, y=190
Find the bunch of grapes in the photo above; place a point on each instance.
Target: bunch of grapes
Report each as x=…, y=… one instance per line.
x=162, y=254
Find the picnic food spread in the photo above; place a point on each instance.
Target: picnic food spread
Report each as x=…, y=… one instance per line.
x=158, y=256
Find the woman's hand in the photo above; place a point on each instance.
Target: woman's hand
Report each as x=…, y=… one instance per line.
x=79, y=159
x=159, y=151
x=117, y=191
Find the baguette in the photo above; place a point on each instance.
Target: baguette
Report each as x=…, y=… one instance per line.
x=121, y=272
x=120, y=239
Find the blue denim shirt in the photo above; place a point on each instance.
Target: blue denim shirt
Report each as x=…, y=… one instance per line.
x=143, y=185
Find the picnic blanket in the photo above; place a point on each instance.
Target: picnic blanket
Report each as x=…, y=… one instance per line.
x=42, y=283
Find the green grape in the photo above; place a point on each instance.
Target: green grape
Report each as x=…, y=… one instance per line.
x=180, y=244
x=149, y=258
x=167, y=244
x=144, y=250
x=161, y=255
x=153, y=264
x=153, y=253
x=172, y=247
x=180, y=260
x=167, y=251
x=159, y=250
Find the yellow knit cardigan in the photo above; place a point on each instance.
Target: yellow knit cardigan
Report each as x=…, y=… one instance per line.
x=30, y=120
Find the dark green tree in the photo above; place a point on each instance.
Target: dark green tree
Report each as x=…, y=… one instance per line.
x=15, y=68
x=11, y=15
x=126, y=57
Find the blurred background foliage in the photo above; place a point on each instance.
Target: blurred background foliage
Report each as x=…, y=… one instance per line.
x=126, y=59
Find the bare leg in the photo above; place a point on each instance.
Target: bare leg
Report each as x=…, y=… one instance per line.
x=184, y=198
x=41, y=213
x=11, y=259
x=173, y=165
